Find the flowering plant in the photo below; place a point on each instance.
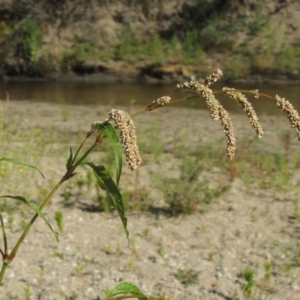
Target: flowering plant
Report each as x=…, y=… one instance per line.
x=119, y=129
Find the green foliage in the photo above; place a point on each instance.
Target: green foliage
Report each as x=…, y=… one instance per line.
x=79, y=51
x=71, y=59
x=157, y=46
x=260, y=24
x=76, y=58
x=248, y=275
x=70, y=159
x=132, y=48
x=268, y=58
x=268, y=271
x=160, y=251
x=125, y=48
x=10, y=296
x=236, y=25
x=58, y=216
x=20, y=163
x=41, y=270
x=126, y=288
x=206, y=30
x=104, y=201
x=47, y=64
x=173, y=47
x=27, y=292
x=90, y=177
x=35, y=208
x=136, y=199
x=105, y=182
x=294, y=256
x=80, y=268
x=111, y=134
x=10, y=222
x=287, y=61
x=276, y=169
x=192, y=48
x=29, y=40
x=187, y=194
x=238, y=66
x=67, y=194
x=293, y=51
x=211, y=35
x=59, y=255
x=23, y=224
x=9, y=206
x=187, y=277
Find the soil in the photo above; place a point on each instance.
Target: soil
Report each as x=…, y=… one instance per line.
x=200, y=256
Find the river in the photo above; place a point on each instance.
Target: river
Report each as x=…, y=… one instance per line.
x=136, y=94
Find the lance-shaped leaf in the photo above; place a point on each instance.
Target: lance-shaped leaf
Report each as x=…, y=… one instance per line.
x=104, y=180
x=128, y=288
x=70, y=159
x=35, y=208
x=99, y=182
x=17, y=162
x=111, y=134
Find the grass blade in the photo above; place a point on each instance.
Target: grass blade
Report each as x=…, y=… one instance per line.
x=104, y=180
x=111, y=134
x=17, y=162
x=35, y=208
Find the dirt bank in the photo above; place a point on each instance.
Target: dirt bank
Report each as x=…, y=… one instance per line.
x=149, y=40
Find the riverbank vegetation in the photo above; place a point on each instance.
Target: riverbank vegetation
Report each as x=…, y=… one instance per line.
x=149, y=40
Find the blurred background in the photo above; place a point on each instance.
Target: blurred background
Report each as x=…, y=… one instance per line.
x=159, y=40
x=97, y=43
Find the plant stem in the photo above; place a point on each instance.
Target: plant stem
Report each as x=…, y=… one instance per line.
x=83, y=157
x=138, y=112
x=9, y=258
x=13, y=253
x=4, y=254
x=3, y=269
x=183, y=99
x=81, y=145
x=4, y=237
x=28, y=227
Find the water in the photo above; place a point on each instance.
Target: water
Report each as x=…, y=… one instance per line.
x=137, y=94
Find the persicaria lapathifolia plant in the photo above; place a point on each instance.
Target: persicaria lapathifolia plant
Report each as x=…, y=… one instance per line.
x=119, y=129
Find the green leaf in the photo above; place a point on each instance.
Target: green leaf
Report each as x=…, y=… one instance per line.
x=104, y=180
x=70, y=159
x=17, y=162
x=111, y=134
x=128, y=288
x=99, y=182
x=35, y=208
